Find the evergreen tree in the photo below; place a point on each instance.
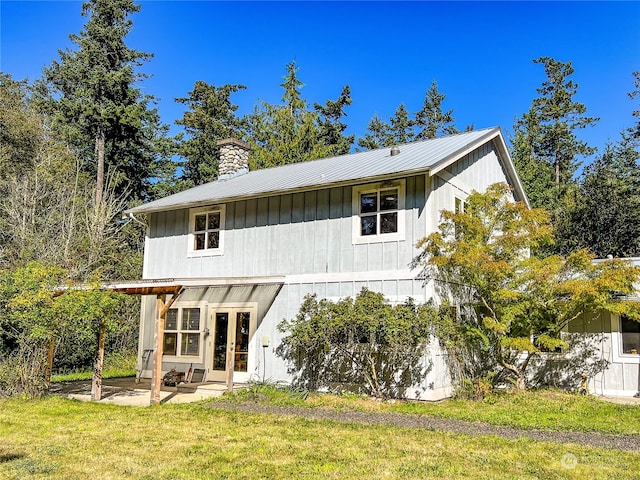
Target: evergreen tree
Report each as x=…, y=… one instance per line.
x=95, y=102
x=331, y=127
x=430, y=119
x=285, y=133
x=603, y=215
x=401, y=127
x=546, y=134
x=377, y=135
x=635, y=130
x=292, y=97
x=211, y=116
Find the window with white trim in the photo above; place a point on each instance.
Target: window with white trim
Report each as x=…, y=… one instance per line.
x=378, y=212
x=206, y=229
x=630, y=333
x=183, y=332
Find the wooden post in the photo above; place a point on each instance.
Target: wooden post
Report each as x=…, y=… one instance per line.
x=156, y=372
x=96, y=384
x=158, y=338
x=231, y=357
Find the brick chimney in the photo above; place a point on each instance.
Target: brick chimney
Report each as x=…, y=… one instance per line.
x=233, y=158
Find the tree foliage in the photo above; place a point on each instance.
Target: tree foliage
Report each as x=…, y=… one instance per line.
x=634, y=131
x=211, y=116
x=603, y=212
x=547, y=149
x=32, y=317
x=49, y=215
x=358, y=343
x=428, y=122
x=431, y=121
x=332, y=129
x=515, y=305
x=93, y=97
x=285, y=133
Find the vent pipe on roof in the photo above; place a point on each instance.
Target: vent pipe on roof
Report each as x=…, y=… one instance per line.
x=395, y=150
x=233, y=158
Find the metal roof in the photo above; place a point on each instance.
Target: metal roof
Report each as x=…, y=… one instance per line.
x=423, y=156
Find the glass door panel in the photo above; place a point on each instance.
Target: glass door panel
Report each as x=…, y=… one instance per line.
x=221, y=328
x=242, y=341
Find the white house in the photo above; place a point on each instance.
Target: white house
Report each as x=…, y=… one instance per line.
x=248, y=247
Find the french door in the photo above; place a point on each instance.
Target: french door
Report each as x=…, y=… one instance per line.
x=232, y=333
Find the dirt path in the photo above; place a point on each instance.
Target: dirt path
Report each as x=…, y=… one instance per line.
x=620, y=442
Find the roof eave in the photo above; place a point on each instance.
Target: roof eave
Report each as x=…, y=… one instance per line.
x=494, y=135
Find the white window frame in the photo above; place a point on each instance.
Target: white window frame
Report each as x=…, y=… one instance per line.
x=621, y=350
x=380, y=237
x=202, y=330
x=616, y=343
x=206, y=252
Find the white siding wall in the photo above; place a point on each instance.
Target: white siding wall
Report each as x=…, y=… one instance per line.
x=299, y=233
x=622, y=376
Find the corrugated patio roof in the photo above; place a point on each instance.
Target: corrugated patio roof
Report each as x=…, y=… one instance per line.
x=423, y=156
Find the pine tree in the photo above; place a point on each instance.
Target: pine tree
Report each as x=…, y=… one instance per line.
x=93, y=96
x=401, y=129
x=547, y=134
x=377, y=135
x=635, y=130
x=603, y=215
x=211, y=116
x=430, y=119
x=331, y=127
x=285, y=133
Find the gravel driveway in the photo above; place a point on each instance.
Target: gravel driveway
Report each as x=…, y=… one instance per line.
x=620, y=442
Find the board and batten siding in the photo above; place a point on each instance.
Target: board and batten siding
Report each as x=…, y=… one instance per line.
x=311, y=232
x=298, y=233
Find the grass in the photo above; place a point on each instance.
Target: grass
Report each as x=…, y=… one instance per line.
x=55, y=438
x=543, y=409
x=116, y=365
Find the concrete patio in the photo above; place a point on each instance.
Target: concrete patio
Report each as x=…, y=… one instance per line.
x=125, y=391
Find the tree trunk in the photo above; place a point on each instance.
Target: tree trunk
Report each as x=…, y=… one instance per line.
x=100, y=142
x=96, y=385
x=50, y=352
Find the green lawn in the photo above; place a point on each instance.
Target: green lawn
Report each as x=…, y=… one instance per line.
x=543, y=410
x=58, y=438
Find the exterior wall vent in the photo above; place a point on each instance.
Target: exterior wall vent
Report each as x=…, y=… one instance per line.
x=394, y=151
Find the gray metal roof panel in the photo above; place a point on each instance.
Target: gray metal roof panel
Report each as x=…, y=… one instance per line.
x=350, y=168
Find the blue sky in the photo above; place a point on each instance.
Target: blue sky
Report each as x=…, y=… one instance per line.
x=480, y=53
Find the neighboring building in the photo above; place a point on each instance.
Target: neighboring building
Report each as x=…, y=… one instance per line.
x=613, y=345
x=249, y=246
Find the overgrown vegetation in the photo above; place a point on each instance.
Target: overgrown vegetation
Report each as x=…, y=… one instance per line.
x=509, y=304
x=33, y=319
x=362, y=343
